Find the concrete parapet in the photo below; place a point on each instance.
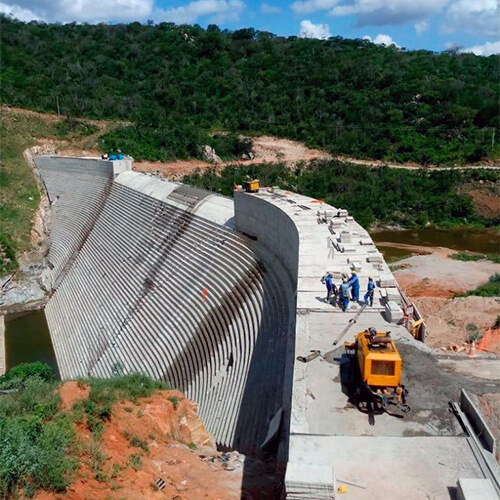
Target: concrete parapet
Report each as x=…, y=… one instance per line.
x=478, y=422
x=476, y=489
x=120, y=166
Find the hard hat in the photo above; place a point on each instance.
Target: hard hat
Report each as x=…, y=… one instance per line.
x=370, y=277
x=353, y=272
x=344, y=280
x=342, y=489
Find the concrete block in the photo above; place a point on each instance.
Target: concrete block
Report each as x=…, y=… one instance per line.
x=476, y=489
x=365, y=241
x=375, y=258
x=349, y=219
x=342, y=213
x=346, y=237
x=355, y=265
x=393, y=312
x=390, y=295
x=387, y=280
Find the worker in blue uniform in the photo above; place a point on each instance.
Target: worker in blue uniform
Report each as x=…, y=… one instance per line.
x=344, y=294
x=370, y=291
x=330, y=286
x=354, y=284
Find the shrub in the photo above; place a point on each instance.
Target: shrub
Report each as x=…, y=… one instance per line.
x=20, y=373
x=490, y=289
x=139, y=443
x=135, y=461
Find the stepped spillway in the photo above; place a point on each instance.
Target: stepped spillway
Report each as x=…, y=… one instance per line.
x=163, y=285
x=77, y=190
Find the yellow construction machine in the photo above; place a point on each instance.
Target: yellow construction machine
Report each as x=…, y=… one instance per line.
x=251, y=185
x=378, y=381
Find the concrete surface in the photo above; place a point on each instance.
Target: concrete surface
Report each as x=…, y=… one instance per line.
x=416, y=457
x=485, y=368
x=390, y=468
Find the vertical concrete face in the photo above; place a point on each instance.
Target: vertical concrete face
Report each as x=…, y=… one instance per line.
x=271, y=226
x=120, y=166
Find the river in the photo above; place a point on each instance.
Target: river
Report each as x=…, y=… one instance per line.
x=27, y=339
x=472, y=240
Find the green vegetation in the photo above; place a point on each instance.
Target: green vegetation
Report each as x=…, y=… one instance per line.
x=135, y=461
x=474, y=257
x=139, y=443
x=20, y=197
x=413, y=198
x=474, y=332
x=37, y=442
x=490, y=289
x=174, y=400
x=178, y=84
x=39, y=448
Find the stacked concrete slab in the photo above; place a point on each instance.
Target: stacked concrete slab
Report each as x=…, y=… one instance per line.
x=77, y=190
x=164, y=286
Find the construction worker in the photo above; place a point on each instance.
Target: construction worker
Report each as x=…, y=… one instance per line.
x=344, y=294
x=369, y=294
x=354, y=284
x=330, y=286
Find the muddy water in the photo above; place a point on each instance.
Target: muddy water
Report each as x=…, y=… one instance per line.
x=472, y=240
x=27, y=339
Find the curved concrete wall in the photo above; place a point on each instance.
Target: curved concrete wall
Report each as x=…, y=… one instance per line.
x=77, y=190
x=157, y=288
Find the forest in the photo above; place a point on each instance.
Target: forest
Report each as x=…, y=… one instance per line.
x=180, y=85
x=407, y=198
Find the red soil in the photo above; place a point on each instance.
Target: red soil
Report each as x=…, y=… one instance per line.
x=180, y=451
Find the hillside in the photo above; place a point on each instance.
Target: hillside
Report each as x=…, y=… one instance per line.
x=114, y=438
x=181, y=84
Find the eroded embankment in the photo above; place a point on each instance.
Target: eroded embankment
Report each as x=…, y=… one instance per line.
x=154, y=439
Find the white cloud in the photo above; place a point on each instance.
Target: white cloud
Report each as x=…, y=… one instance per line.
x=475, y=17
x=382, y=39
x=265, y=8
x=220, y=11
x=421, y=27
x=487, y=49
x=375, y=12
x=79, y=10
x=19, y=12
x=308, y=6
x=385, y=12
x=311, y=30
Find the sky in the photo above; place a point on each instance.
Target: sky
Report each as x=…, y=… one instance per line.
x=437, y=25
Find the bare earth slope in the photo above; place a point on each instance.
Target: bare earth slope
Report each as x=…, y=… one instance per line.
x=169, y=442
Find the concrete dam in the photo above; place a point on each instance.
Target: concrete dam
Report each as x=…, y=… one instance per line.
x=219, y=298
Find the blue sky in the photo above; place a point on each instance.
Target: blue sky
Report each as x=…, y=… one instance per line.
x=435, y=25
